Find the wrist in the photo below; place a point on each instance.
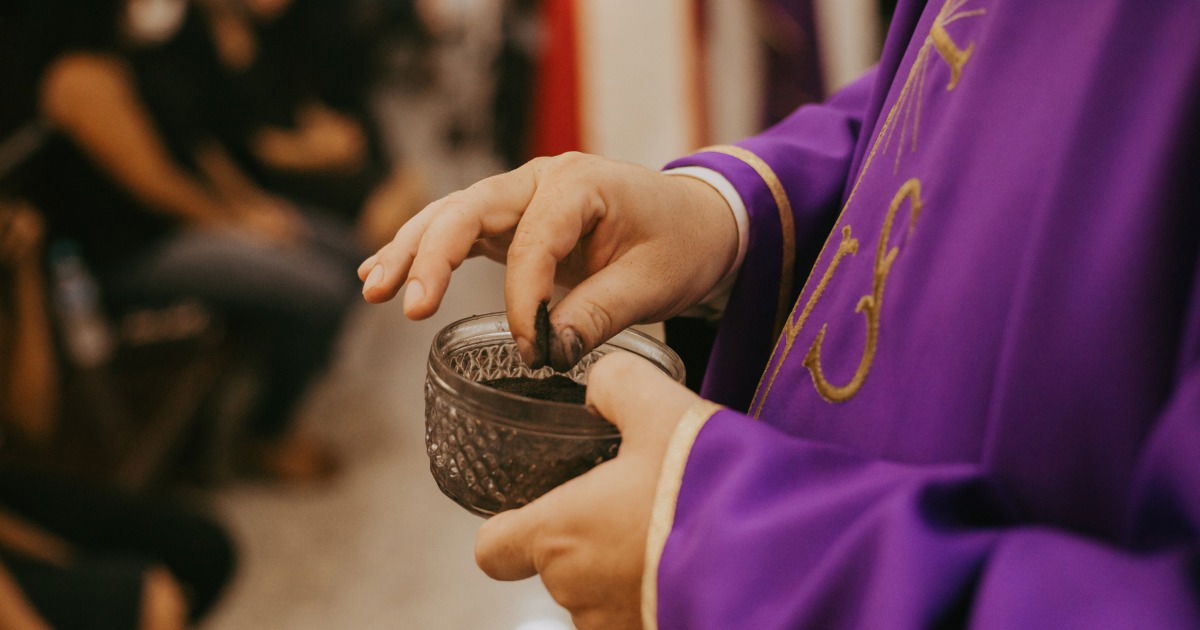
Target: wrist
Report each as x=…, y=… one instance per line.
x=727, y=220
x=714, y=220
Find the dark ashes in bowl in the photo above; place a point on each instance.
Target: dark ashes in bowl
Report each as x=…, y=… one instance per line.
x=556, y=388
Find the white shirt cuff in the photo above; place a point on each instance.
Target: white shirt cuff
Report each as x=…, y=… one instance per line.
x=713, y=305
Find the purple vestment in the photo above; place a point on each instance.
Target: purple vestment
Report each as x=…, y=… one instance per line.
x=982, y=409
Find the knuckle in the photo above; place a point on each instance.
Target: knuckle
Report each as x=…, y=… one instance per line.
x=569, y=160
x=392, y=257
x=485, y=188
x=455, y=205
x=456, y=197
x=485, y=555
x=598, y=322
x=592, y=201
x=539, y=162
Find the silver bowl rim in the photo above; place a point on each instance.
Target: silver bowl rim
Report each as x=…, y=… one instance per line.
x=571, y=420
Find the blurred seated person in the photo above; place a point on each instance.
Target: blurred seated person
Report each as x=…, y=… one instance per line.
x=73, y=555
x=82, y=556
x=297, y=74
x=162, y=214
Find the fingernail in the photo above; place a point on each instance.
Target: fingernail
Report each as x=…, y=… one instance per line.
x=413, y=294
x=566, y=348
x=373, y=278
x=574, y=347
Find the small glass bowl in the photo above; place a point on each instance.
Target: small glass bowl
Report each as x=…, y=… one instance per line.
x=492, y=451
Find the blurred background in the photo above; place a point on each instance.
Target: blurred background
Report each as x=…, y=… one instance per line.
x=200, y=422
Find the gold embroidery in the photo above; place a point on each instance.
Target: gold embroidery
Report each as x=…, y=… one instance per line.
x=786, y=224
x=907, y=109
x=666, y=497
x=912, y=96
x=848, y=247
x=954, y=56
x=869, y=305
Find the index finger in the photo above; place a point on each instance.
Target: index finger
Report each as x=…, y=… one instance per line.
x=564, y=208
x=436, y=241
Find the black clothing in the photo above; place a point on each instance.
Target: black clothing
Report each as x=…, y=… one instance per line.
x=310, y=54
x=82, y=203
x=99, y=594
x=118, y=537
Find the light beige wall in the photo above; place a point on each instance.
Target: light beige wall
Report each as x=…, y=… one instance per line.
x=637, y=64
x=734, y=67
x=848, y=34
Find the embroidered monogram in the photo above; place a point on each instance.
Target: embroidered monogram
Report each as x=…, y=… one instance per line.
x=905, y=113
x=869, y=305
x=848, y=247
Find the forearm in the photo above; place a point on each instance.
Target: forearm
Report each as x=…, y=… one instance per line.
x=20, y=535
x=92, y=99
x=16, y=613
x=32, y=388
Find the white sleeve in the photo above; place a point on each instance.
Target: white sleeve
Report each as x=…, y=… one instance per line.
x=712, y=307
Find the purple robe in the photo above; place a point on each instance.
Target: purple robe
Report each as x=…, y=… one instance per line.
x=982, y=408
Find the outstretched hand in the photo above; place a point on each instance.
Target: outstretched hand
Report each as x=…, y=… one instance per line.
x=635, y=245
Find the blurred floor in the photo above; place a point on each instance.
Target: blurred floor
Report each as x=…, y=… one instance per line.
x=379, y=547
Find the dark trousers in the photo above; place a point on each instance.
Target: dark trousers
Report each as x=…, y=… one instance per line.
x=289, y=300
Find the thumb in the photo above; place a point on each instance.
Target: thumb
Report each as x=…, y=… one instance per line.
x=637, y=397
x=607, y=302
x=504, y=543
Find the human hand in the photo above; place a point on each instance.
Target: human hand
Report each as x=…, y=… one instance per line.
x=335, y=140
x=587, y=537
x=323, y=140
x=636, y=245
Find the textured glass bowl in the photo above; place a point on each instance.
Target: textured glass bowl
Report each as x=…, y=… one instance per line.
x=492, y=451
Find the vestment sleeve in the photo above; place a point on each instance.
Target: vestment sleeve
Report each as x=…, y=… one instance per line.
x=791, y=179
x=770, y=531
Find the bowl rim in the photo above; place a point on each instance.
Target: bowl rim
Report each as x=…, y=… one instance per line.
x=573, y=420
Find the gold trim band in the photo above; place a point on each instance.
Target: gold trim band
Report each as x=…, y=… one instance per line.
x=662, y=515
x=786, y=224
